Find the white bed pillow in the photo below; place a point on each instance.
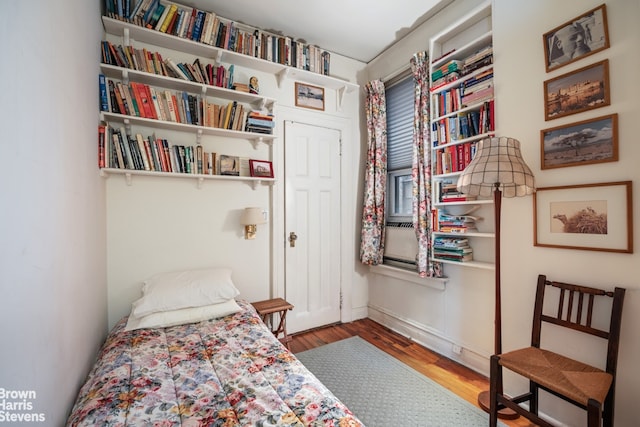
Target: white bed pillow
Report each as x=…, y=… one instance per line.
x=182, y=316
x=183, y=289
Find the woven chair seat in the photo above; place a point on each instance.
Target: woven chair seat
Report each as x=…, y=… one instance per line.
x=568, y=377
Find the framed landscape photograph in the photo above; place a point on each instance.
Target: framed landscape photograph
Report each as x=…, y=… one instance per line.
x=577, y=91
x=229, y=165
x=582, y=143
x=308, y=96
x=261, y=168
x=595, y=217
x=576, y=39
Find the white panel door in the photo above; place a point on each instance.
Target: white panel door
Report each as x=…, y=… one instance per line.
x=312, y=225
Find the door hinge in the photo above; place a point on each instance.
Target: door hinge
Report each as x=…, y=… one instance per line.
x=341, y=300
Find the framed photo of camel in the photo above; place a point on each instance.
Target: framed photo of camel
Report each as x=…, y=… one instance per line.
x=594, y=217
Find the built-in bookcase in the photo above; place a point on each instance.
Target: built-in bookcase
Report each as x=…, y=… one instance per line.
x=462, y=114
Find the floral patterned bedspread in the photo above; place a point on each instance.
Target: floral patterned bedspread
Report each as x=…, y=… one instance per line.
x=220, y=372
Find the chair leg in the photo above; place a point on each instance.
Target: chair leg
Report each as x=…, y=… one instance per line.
x=533, y=400
x=594, y=413
x=495, y=388
x=608, y=411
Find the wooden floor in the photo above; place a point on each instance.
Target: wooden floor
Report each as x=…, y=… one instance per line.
x=460, y=380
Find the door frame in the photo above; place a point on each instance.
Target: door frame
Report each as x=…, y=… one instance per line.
x=349, y=173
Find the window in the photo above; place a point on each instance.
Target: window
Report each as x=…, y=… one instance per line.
x=401, y=245
x=399, y=96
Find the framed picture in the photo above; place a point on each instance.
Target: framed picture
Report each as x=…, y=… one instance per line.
x=595, y=217
x=229, y=165
x=582, y=143
x=581, y=90
x=309, y=96
x=261, y=168
x=576, y=39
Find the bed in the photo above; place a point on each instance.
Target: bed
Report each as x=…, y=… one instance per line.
x=228, y=370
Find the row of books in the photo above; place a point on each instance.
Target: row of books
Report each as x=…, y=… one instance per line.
x=141, y=100
x=447, y=192
x=209, y=28
x=118, y=150
x=454, y=158
x=464, y=125
x=462, y=96
x=452, y=249
x=153, y=62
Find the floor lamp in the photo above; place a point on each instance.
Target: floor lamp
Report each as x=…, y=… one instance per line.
x=497, y=169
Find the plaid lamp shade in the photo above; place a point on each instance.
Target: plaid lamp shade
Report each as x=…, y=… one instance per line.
x=497, y=163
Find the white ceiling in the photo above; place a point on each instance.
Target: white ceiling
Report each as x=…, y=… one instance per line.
x=358, y=29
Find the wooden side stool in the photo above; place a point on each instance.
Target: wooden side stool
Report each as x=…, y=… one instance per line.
x=267, y=308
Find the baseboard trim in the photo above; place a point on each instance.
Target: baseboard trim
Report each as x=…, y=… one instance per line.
x=430, y=338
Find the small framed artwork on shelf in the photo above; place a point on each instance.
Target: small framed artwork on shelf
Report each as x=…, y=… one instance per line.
x=576, y=39
x=261, y=168
x=582, y=143
x=595, y=217
x=229, y=165
x=581, y=90
x=308, y=96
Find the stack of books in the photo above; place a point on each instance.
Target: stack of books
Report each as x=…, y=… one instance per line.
x=450, y=67
x=478, y=88
x=452, y=249
x=448, y=193
x=260, y=123
x=456, y=223
x=477, y=60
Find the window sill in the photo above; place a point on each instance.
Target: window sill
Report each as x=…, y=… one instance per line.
x=409, y=276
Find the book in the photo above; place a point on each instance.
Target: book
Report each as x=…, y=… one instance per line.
x=104, y=95
x=163, y=23
x=143, y=152
x=155, y=17
x=102, y=146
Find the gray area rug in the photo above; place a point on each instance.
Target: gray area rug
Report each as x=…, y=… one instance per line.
x=384, y=392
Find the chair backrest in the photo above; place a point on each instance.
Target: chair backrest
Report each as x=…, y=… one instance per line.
x=575, y=311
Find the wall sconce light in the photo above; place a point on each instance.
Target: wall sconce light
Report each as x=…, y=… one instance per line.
x=250, y=218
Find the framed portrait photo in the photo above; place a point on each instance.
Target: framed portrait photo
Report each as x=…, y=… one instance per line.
x=576, y=39
x=582, y=143
x=581, y=90
x=260, y=168
x=308, y=96
x=595, y=217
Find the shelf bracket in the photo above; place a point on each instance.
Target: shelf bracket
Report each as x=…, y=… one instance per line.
x=125, y=76
x=340, y=93
x=126, y=37
x=218, y=58
x=280, y=76
x=128, y=179
x=199, y=137
x=254, y=184
x=200, y=181
x=127, y=126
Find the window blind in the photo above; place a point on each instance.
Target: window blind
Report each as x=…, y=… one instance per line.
x=400, y=124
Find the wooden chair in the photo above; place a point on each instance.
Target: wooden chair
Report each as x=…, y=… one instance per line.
x=583, y=385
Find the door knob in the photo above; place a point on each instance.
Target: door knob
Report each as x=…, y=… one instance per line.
x=292, y=239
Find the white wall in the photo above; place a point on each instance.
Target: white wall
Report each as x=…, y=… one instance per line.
x=52, y=216
x=162, y=224
x=462, y=313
